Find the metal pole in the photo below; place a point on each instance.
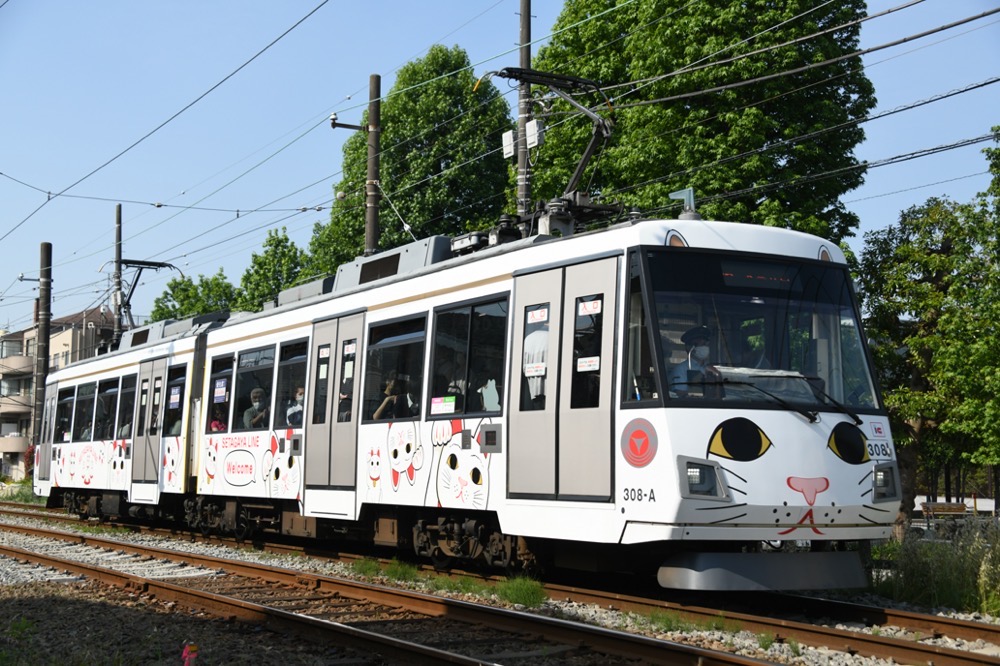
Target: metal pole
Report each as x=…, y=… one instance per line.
x=372, y=192
x=523, y=116
x=42, y=341
x=116, y=296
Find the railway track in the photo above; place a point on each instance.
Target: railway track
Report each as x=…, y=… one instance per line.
x=394, y=624
x=805, y=621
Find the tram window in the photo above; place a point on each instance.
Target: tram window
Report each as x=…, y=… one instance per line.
x=107, y=406
x=468, y=359
x=640, y=382
x=83, y=413
x=46, y=418
x=217, y=418
x=320, y=385
x=154, y=413
x=140, y=424
x=345, y=396
x=254, y=380
x=126, y=407
x=173, y=419
x=394, y=370
x=534, y=369
x=64, y=415
x=585, y=388
x=291, y=383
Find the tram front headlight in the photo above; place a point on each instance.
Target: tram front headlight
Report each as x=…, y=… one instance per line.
x=885, y=483
x=702, y=480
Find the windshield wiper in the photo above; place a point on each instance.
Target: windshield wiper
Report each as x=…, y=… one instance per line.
x=813, y=384
x=811, y=416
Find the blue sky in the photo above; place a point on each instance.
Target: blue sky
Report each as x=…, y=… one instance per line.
x=81, y=82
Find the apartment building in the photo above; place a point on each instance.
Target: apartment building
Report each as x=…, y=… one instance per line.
x=71, y=338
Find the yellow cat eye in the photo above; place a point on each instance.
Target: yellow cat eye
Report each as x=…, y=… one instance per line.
x=739, y=439
x=477, y=477
x=453, y=461
x=849, y=444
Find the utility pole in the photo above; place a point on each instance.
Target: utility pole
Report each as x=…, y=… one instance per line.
x=372, y=186
x=42, y=340
x=523, y=116
x=116, y=296
x=373, y=189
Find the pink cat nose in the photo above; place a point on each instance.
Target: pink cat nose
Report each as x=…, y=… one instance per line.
x=808, y=487
x=462, y=482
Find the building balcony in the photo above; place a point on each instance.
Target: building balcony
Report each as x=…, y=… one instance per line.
x=17, y=365
x=14, y=444
x=15, y=405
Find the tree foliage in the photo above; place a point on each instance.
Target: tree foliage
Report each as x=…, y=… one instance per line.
x=440, y=164
x=184, y=298
x=931, y=290
x=275, y=269
x=736, y=146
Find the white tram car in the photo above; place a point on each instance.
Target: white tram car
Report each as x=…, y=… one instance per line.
x=540, y=401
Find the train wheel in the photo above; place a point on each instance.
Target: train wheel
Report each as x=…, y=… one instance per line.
x=441, y=561
x=244, y=527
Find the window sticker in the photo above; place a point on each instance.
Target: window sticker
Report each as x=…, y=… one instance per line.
x=444, y=405
x=589, y=308
x=539, y=316
x=588, y=364
x=219, y=394
x=534, y=369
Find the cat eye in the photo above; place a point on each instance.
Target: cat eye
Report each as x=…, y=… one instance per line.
x=477, y=476
x=453, y=461
x=739, y=439
x=849, y=444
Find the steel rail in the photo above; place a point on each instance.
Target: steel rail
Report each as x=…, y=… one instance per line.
x=598, y=639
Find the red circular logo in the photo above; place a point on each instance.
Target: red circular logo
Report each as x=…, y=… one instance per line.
x=639, y=443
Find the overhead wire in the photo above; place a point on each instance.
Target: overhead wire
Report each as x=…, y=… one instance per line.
x=168, y=120
x=262, y=209
x=810, y=135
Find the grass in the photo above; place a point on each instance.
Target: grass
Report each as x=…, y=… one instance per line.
x=460, y=585
x=24, y=494
x=667, y=621
x=366, y=568
x=961, y=572
x=401, y=571
x=521, y=591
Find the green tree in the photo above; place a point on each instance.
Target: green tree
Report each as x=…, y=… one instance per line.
x=184, y=298
x=930, y=286
x=277, y=268
x=969, y=359
x=440, y=162
x=679, y=122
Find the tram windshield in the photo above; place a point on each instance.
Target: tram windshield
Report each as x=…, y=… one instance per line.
x=757, y=330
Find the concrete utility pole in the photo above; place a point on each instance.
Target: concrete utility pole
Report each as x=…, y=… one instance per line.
x=373, y=189
x=116, y=296
x=372, y=186
x=523, y=116
x=42, y=341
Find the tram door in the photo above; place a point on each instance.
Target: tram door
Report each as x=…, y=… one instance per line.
x=560, y=441
x=331, y=408
x=45, y=441
x=149, y=412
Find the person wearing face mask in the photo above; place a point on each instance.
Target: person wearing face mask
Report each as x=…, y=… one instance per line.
x=695, y=369
x=294, y=412
x=256, y=415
